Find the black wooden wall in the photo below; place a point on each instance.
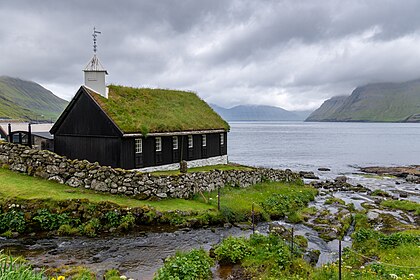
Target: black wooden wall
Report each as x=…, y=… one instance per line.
x=167, y=156
x=86, y=132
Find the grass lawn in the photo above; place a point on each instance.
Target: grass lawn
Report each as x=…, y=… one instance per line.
x=16, y=185
x=272, y=198
x=223, y=167
x=267, y=197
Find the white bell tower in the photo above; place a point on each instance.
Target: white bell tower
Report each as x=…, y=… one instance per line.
x=95, y=72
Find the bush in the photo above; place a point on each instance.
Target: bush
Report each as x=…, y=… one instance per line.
x=232, y=250
x=127, y=222
x=90, y=228
x=112, y=274
x=280, y=205
x=193, y=265
x=12, y=221
x=64, y=230
x=51, y=221
x=113, y=218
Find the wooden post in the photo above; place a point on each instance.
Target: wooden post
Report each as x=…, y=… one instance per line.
x=29, y=135
x=253, y=219
x=339, y=259
x=9, y=127
x=218, y=198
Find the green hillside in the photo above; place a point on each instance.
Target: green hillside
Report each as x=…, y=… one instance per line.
x=25, y=100
x=382, y=102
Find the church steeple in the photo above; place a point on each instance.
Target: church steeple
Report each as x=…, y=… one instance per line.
x=95, y=72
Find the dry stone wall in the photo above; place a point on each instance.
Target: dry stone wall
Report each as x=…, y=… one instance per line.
x=84, y=174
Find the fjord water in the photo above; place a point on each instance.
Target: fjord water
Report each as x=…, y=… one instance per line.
x=309, y=145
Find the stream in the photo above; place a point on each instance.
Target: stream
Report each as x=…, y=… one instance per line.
x=139, y=255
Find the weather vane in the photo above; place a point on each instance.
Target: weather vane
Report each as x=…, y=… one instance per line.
x=95, y=33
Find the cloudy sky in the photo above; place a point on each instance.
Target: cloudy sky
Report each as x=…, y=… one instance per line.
x=293, y=54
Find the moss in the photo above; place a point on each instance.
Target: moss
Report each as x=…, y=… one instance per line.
x=402, y=205
x=301, y=241
x=334, y=200
x=380, y=193
x=148, y=110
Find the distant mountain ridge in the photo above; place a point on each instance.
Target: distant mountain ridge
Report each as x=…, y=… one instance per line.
x=380, y=102
x=26, y=100
x=258, y=113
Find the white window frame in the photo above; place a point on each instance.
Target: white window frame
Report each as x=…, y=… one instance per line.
x=158, y=144
x=174, y=142
x=222, y=139
x=204, y=140
x=139, y=145
x=190, y=142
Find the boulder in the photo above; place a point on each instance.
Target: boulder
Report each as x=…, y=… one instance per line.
x=340, y=179
x=324, y=169
x=308, y=175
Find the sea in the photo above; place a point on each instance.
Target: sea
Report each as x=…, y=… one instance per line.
x=307, y=146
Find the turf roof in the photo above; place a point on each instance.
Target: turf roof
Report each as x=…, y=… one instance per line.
x=145, y=110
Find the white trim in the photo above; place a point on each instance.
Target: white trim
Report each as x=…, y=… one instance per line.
x=204, y=140
x=158, y=144
x=190, y=142
x=175, y=133
x=193, y=163
x=175, y=144
x=138, y=143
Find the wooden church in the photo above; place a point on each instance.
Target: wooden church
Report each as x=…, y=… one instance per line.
x=138, y=128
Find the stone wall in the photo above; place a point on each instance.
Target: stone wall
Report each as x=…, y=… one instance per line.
x=83, y=174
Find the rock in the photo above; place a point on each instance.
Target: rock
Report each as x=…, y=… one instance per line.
x=372, y=215
x=57, y=179
x=324, y=169
x=403, y=195
x=308, y=175
x=74, y=182
x=243, y=226
x=312, y=257
x=99, y=186
x=162, y=195
x=341, y=179
x=280, y=230
x=413, y=179
x=227, y=225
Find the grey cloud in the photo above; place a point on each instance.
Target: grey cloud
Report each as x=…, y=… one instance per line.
x=288, y=53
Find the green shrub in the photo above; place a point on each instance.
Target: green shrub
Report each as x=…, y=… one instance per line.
x=51, y=221
x=112, y=274
x=90, y=228
x=193, y=265
x=113, y=218
x=67, y=230
x=279, y=205
x=397, y=239
x=127, y=222
x=232, y=216
x=12, y=221
x=232, y=250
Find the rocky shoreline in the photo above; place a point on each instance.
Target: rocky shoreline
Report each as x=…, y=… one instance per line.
x=410, y=173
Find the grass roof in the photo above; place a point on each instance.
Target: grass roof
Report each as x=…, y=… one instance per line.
x=145, y=110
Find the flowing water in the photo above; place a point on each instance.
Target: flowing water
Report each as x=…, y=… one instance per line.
x=299, y=146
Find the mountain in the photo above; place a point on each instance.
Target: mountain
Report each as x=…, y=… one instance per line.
x=381, y=102
x=257, y=113
x=26, y=100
